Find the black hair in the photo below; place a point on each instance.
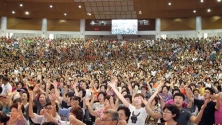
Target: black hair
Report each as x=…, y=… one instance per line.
x=166, y=87
x=15, y=105
x=108, y=98
x=83, y=92
x=179, y=94
x=76, y=98
x=27, y=93
x=50, y=123
x=129, y=96
x=4, y=118
x=174, y=110
x=196, y=90
x=20, y=83
x=126, y=110
x=127, y=89
x=210, y=89
x=69, y=94
x=175, y=90
x=104, y=86
x=102, y=93
x=49, y=103
x=0, y=89
x=5, y=79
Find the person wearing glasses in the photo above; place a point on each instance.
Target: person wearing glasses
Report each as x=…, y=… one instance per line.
x=170, y=114
x=109, y=117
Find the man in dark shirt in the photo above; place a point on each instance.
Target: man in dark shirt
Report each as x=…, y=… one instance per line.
x=209, y=111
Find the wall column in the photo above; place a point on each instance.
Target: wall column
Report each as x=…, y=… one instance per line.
x=44, y=28
x=82, y=29
x=3, y=26
x=158, y=28
x=199, y=27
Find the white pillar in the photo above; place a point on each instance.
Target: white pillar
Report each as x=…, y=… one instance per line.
x=158, y=28
x=199, y=27
x=44, y=28
x=119, y=37
x=3, y=26
x=82, y=29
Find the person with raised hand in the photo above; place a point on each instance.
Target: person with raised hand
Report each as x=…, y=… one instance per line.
x=138, y=113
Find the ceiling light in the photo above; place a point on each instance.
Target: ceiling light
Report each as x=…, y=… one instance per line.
x=65, y=14
x=194, y=11
x=140, y=12
x=169, y=4
x=50, y=6
x=218, y=0
x=89, y=14
x=208, y=10
x=201, y=1
x=21, y=5
x=13, y=12
x=26, y=13
x=80, y=6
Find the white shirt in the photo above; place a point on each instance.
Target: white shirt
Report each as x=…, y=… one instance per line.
x=5, y=88
x=40, y=119
x=137, y=116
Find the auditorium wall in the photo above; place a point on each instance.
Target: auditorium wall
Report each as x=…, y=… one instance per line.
x=63, y=25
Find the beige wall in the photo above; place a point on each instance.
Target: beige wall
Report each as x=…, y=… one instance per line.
x=214, y=22
x=178, y=24
x=63, y=25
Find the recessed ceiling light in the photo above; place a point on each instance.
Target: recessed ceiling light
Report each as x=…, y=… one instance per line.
x=140, y=12
x=26, y=13
x=194, y=11
x=65, y=14
x=21, y=5
x=201, y=1
x=169, y=4
x=89, y=14
x=80, y=6
x=208, y=10
x=218, y=0
x=13, y=12
x=50, y=6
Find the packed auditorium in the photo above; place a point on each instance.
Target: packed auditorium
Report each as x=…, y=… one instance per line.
x=110, y=62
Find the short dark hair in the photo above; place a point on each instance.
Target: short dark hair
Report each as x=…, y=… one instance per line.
x=101, y=93
x=83, y=92
x=76, y=98
x=126, y=111
x=3, y=118
x=20, y=82
x=210, y=89
x=49, y=103
x=174, y=110
x=0, y=89
x=179, y=94
x=69, y=94
x=50, y=123
x=165, y=87
x=175, y=90
x=77, y=111
x=196, y=90
x=139, y=94
x=15, y=105
x=128, y=96
x=5, y=79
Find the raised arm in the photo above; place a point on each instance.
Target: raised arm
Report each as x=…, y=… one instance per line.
x=93, y=113
x=31, y=114
x=112, y=84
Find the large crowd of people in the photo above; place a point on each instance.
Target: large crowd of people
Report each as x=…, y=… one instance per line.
x=72, y=81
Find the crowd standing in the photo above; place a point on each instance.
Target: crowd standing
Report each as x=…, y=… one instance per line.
x=117, y=82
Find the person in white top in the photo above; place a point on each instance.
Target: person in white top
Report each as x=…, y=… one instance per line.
x=6, y=86
x=138, y=113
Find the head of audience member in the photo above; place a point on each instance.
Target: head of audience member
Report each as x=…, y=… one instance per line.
x=200, y=84
x=101, y=97
x=170, y=112
x=107, y=104
x=82, y=93
x=68, y=97
x=103, y=88
x=5, y=80
x=42, y=99
x=196, y=92
x=75, y=101
x=110, y=117
x=14, y=109
x=76, y=112
x=83, y=84
x=178, y=99
x=49, y=108
x=128, y=98
x=19, y=85
x=155, y=101
x=25, y=96
x=165, y=90
x=193, y=86
x=137, y=100
x=124, y=113
x=144, y=90
x=3, y=118
x=208, y=93
x=174, y=91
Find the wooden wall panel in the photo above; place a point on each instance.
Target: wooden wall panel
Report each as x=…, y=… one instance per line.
x=63, y=25
x=24, y=24
x=178, y=24
x=214, y=22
